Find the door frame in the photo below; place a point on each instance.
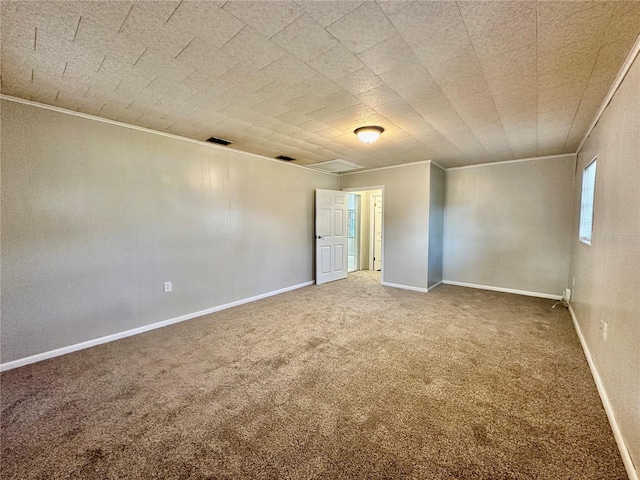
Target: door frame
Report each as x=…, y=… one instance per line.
x=372, y=232
x=367, y=188
x=358, y=233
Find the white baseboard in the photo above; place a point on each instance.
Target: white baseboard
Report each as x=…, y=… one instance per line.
x=405, y=287
x=624, y=451
x=145, y=328
x=434, y=286
x=505, y=290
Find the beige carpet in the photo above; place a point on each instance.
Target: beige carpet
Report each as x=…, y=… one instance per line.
x=344, y=380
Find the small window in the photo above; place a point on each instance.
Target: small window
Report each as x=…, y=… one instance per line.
x=351, y=224
x=586, y=202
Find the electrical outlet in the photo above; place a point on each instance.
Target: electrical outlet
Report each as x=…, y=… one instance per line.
x=604, y=330
x=601, y=327
x=573, y=284
x=168, y=287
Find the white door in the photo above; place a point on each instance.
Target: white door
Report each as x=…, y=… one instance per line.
x=377, y=231
x=331, y=235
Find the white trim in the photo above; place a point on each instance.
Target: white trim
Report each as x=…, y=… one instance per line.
x=434, y=286
x=145, y=328
x=439, y=166
x=372, y=230
x=363, y=189
x=505, y=290
x=372, y=234
x=369, y=190
x=155, y=132
x=608, y=408
x=387, y=167
x=532, y=159
x=614, y=88
x=405, y=287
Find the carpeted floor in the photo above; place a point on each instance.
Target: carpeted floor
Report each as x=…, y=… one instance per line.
x=339, y=381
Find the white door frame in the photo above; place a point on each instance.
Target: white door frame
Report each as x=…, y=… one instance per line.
x=366, y=189
x=372, y=232
x=358, y=233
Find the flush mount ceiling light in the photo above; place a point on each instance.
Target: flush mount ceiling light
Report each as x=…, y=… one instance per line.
x=368, y=134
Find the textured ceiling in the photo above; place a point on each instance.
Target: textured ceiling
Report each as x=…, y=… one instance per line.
x=456, y=82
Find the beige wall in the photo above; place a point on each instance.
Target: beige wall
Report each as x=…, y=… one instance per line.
x=406, y=220
x=95, y=217
x=508, y=225
x=607, y=272
x=436, y=224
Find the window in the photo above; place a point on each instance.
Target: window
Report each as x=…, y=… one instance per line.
x=586, y=202
x=351, y=215
x=351, y=224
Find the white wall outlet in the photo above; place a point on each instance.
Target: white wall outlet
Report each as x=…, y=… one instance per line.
x=601, y=327
x=573, y=284
x=604, y=330
x=168, y=287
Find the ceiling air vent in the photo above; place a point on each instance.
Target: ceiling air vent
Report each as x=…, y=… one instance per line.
x=219, y=141
x=285, y=158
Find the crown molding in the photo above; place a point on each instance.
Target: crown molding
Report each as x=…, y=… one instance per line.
x=151, y=131
x=387, y=167
x=532, y=159
x=614, y=88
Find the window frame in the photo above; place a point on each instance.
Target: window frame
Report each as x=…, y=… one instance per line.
x=583, y=204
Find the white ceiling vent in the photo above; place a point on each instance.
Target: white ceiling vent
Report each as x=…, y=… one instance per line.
x=336, y=166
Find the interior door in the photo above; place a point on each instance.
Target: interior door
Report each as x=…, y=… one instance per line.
x=377, y=231
x=331, y=235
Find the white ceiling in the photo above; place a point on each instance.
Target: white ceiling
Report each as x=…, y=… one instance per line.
x=457, y=82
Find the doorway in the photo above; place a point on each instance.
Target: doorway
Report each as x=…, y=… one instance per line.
x=376, y=231
x=365, y=207
x=353, y=232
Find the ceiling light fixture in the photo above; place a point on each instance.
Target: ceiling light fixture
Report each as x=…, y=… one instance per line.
x=368, y=134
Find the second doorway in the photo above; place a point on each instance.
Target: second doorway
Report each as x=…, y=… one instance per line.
x=364, y=229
